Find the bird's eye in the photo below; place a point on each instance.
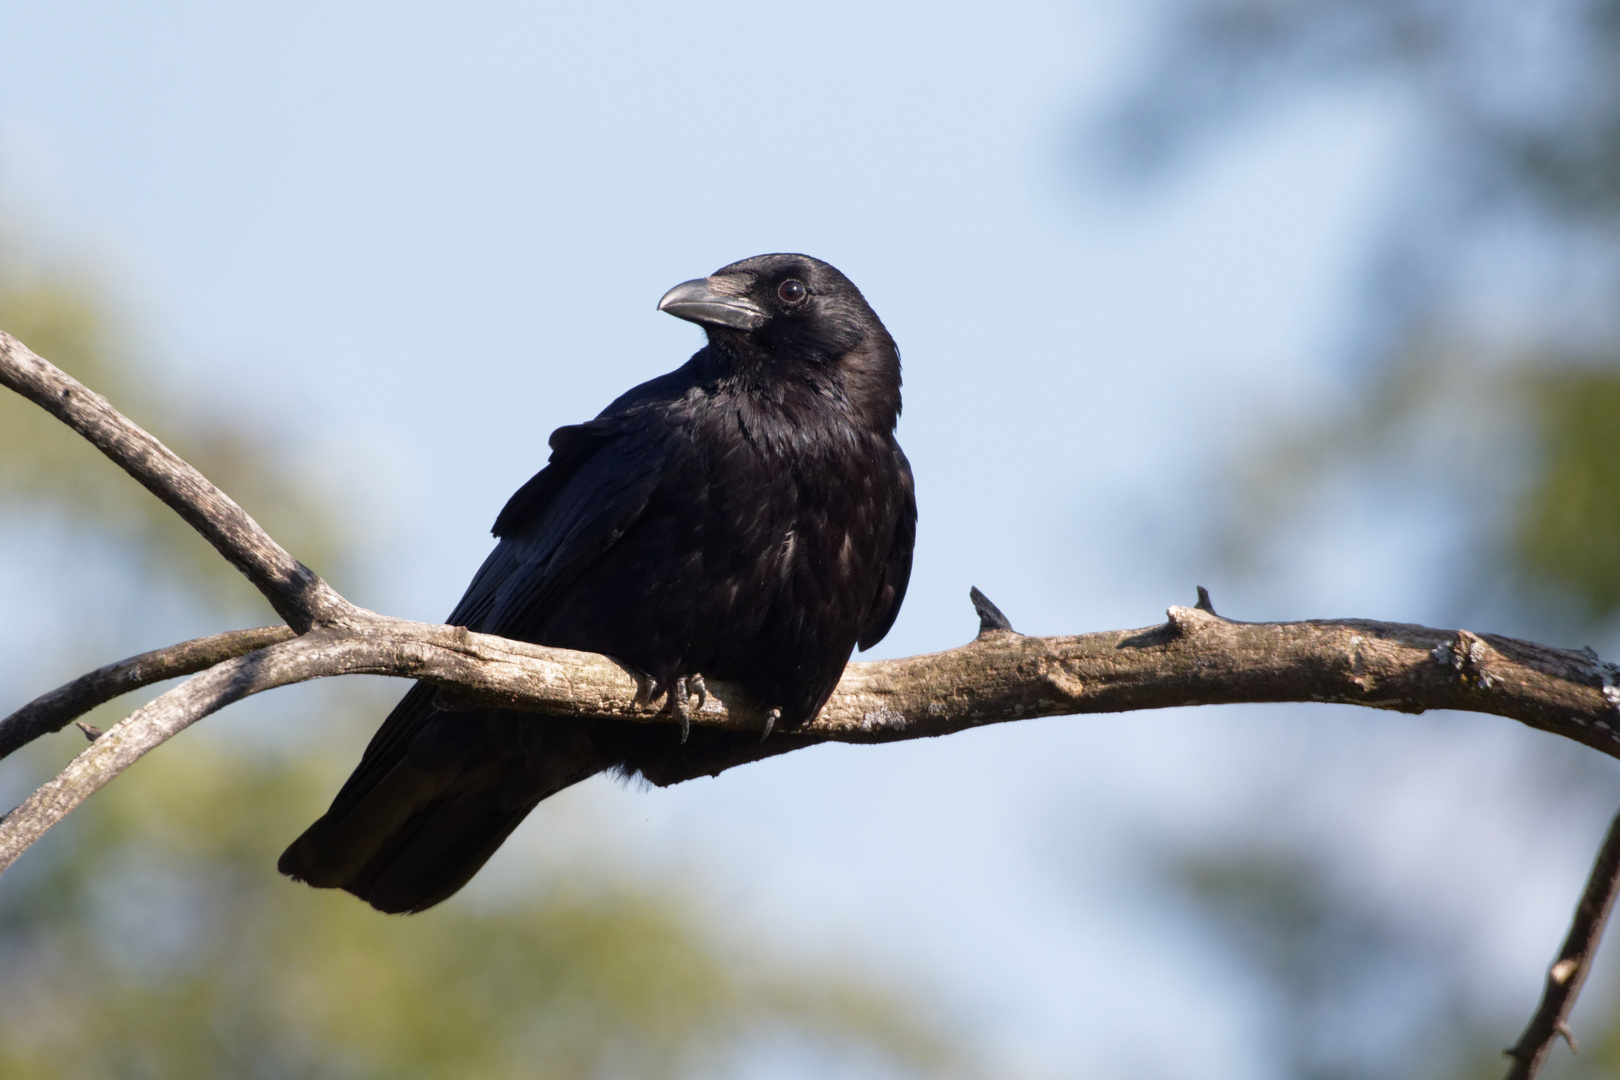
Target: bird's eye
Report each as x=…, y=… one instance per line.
x=792, y=291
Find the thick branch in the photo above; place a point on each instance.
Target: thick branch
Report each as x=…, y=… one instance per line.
x=1197, y=658
x=1569, y=971
x=59, y=708
x=296, y=592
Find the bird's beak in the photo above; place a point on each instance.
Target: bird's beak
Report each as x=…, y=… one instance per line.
x=714, y=301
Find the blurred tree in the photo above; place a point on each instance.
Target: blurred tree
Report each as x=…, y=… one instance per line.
x=1328, y=966
x=151, y=937
x=1568, y=524
x=154, y=939
x=1498, y=278
x=1355, y=992
x=47, y=469
x=1485, y=402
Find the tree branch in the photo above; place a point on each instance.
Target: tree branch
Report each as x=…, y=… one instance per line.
x=296, y=592
x=1196, y=658
x=59, y=708
x=1569, y=971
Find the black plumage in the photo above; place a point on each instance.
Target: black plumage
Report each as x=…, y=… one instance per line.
x=747, y=517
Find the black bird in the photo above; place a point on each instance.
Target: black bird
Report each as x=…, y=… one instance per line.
x=747, y=517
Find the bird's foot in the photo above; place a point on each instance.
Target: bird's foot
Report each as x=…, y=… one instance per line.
x=677, y=697
x=647, y=691
x=771, y=718
x=675, y=705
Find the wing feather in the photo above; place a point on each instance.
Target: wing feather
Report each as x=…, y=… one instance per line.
x=596, y=485
x=897, y=572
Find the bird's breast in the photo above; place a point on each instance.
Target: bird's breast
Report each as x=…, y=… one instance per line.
x=809, y=508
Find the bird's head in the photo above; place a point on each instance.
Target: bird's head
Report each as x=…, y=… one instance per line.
x=779, y=307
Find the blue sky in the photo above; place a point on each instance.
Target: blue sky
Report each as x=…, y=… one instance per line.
x=416, y=238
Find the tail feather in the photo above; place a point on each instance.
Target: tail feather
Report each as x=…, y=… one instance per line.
x=416, y=820
x=437, y=852
x=337, y=846
x=438, y=792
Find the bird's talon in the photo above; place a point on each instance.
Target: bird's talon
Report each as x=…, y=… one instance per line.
x=646, y=691
x=770, y=723
x=675, y=705
x=702, y=692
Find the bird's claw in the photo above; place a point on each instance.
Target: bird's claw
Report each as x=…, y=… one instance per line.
x=771, y=718
x=675, y=703
x=646, y=690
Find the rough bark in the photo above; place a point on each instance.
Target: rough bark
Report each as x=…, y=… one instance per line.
x=1196, y=658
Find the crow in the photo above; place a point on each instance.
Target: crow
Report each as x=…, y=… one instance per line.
x=748, y=517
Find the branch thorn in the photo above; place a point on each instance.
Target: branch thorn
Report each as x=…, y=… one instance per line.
x=990, y=616
x=91, y=732
x=1203, y=601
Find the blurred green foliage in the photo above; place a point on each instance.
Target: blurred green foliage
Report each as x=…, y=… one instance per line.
x=153, y=938
x=1355, y=990
x=1503, y=256
x=1568, y=525
x=149, y=937
x=46, y=468
x=1483, y=406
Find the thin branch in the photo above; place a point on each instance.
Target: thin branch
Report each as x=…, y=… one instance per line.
x=478, y=666
x=119, y=747
x=296, y=592
x=59, y=708
x=1569, y=971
